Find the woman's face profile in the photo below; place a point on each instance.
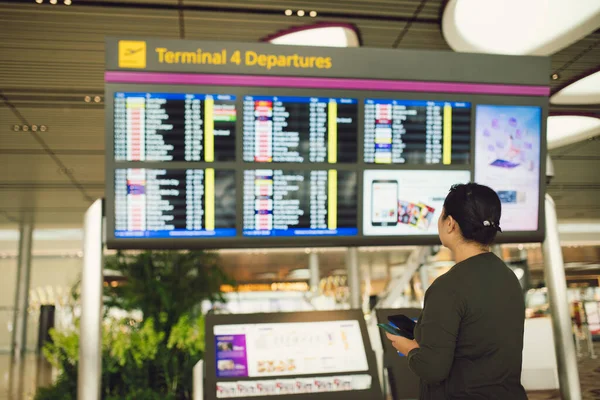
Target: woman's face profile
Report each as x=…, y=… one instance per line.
x=441, y=230
x=444, y=229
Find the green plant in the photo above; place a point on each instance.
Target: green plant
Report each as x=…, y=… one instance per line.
x=151, y=358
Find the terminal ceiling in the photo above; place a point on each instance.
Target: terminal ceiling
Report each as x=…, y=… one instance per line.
x=52, y=57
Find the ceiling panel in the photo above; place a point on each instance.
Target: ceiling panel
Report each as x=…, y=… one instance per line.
x=57, y=58
x=68, y=128
x=41, y=169
x=576, y=183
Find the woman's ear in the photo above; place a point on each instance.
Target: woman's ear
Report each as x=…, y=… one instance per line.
x=451, y=224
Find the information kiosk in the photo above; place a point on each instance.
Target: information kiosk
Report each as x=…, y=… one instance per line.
x=404, y=384
x=318, y=355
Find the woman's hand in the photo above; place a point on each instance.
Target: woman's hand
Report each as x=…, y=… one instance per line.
x=402, y=344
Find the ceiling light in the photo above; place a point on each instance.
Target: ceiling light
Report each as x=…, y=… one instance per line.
x=67, y=2
x=555, y=77
x=313, y=14
x=301, y=13
x=342, y=35
x=53, y=1
x=87, y=99
x=288, y=12
x=25, y=128
x=583, y=91
x=43, y=128
x=39, y=1
x=518, y=27
x=568, y=129
x=16, y=128
x=34, y=128
x=97, y=99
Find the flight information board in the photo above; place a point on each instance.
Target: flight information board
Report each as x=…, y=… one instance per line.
x=300, y=203
x=417, y=132
x=174, y=127
x=184, y=203
x=300, y=129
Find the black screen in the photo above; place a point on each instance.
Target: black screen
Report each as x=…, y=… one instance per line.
x=160, y=203
x=300, y=129
x=417, y=132
x=174, y=127
x=300, y=203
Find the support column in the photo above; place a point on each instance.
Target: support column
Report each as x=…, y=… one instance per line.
x=315, y=272
x=90, y=345
x=19, y=334
x=554, y=273
x=424, y=275
x=353, y=277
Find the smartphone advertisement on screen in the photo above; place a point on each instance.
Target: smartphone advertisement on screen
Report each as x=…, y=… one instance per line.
x=384, y=205
x=400, y=203
x=507, y=159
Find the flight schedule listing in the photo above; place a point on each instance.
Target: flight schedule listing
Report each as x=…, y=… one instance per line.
x=300, y=203
x=174, y=127
x=174, y=203
x=417, y=132
x=300, y=129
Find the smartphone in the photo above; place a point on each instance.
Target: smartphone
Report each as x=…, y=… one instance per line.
x=384, y=203
x=389, y=329
x=403, y=324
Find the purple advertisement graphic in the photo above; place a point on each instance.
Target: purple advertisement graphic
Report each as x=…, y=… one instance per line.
x=232, y=357
x=507, y=159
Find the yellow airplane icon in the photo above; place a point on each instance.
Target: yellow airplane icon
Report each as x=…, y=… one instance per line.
x=133, y=51
x=132, y=54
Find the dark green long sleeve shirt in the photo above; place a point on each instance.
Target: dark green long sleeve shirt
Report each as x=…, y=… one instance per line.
x=471, y=333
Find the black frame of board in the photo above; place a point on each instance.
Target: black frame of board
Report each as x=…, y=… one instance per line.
x=212, y=320
x=360, y=166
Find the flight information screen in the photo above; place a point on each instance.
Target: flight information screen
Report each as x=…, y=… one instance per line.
x=300, y=129
x=184, y=203
x=300, y=203
x=417, y=132
x=174, y=127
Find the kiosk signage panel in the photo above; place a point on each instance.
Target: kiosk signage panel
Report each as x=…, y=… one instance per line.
x=233, y=153
x=299, y=348
x=321, y=355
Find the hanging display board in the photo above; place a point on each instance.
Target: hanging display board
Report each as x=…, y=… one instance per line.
x=220, y=145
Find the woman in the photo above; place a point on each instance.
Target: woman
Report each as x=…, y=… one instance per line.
x=469, y=339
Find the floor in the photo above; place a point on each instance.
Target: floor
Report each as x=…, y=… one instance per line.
x=26, y=382
x=589, y=376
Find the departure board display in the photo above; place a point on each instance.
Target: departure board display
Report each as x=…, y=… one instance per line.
x=183, y=203
x=300, y=129
x=300, y=203
x=417, y=132
x=174, y=127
